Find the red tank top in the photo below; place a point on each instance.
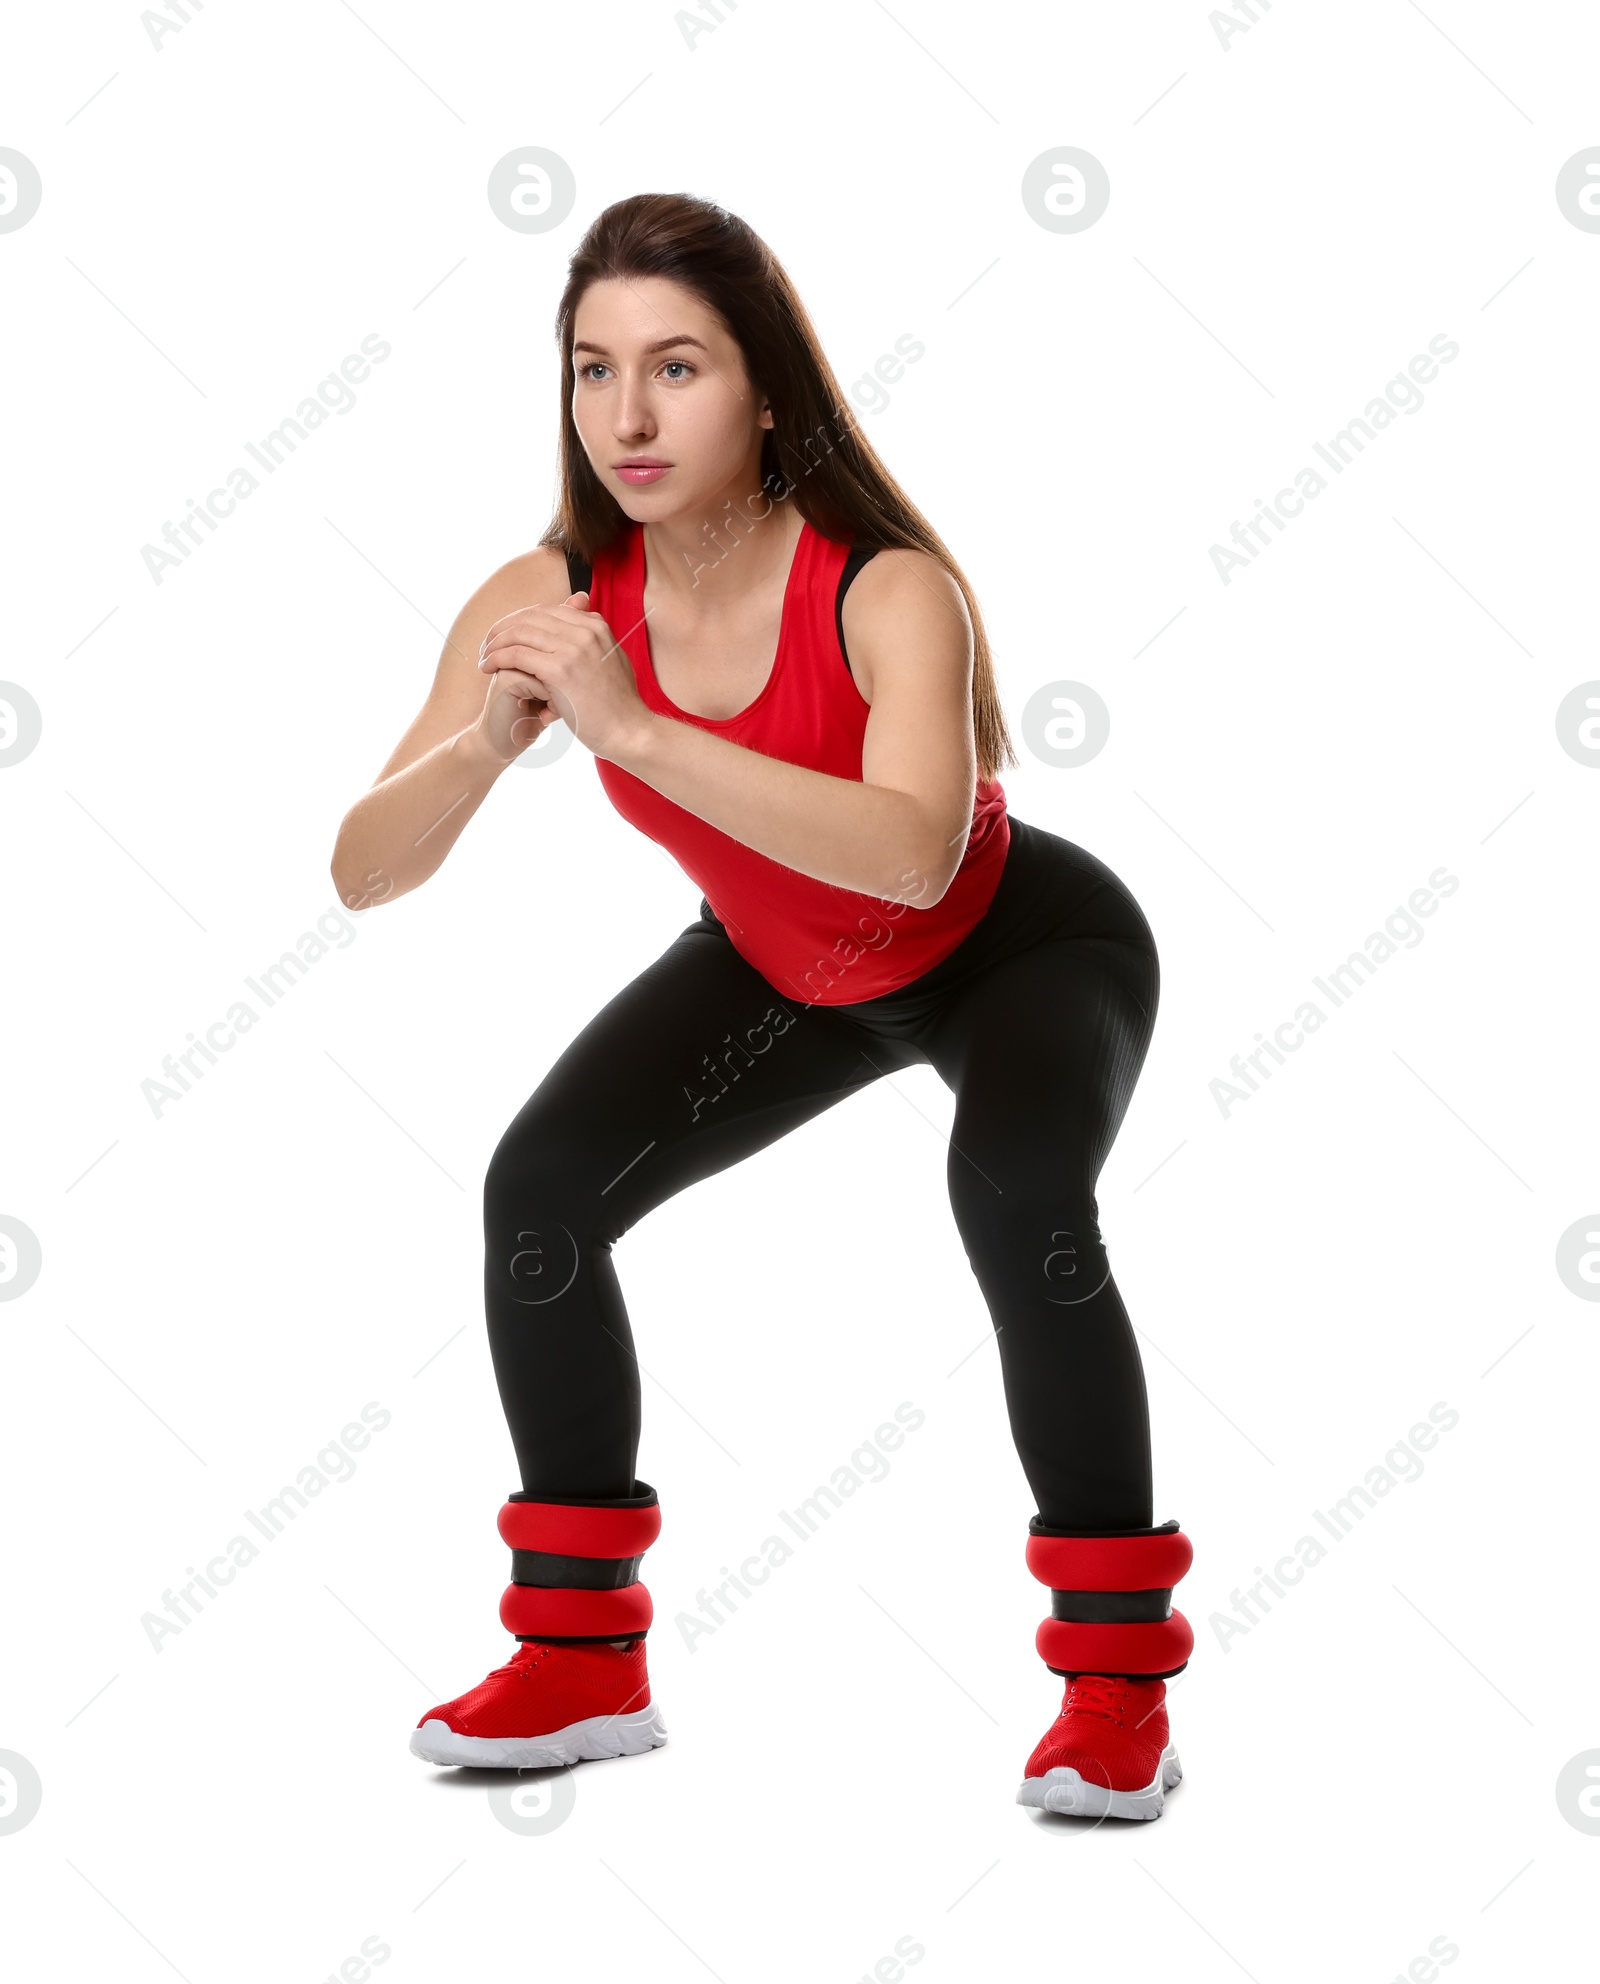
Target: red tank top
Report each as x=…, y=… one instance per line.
x=821, y=944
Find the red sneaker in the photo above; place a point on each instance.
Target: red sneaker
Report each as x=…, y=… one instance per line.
x=547, y=1705
x=1108, y=1753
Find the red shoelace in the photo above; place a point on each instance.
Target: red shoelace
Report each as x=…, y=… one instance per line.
x=1096, y=1694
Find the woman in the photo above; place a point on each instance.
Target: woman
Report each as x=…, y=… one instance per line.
x=784, y=679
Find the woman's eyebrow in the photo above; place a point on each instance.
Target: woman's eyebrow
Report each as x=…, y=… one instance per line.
x=661, y=344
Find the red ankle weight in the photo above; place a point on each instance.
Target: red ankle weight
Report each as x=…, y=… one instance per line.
x=575, y=1567
x=1111, y=1601
x=542, y=1612
x=579, y=1529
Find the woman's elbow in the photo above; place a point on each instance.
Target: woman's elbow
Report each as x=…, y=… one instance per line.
x=922, y=883
x=360, y=891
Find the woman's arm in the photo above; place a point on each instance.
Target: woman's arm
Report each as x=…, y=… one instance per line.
x=899, y=832
x=396, y=835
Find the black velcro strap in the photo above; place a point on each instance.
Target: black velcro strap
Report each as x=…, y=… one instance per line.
x=643, y=1496
x=1111, y=1608
x=1166, y=1674
x=587, y=1639
x=543, y=1567
x=1037, y=1526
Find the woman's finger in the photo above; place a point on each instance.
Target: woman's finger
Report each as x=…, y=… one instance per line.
x=536, y=640
x=520, y=683
x=527, y=629
x=509, y=661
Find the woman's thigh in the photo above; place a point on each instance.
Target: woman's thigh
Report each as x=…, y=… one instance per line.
x=1042, y=1051
x=693, y=1065
x=1047, y=1044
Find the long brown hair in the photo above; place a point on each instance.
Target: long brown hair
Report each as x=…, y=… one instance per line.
x=815, y=449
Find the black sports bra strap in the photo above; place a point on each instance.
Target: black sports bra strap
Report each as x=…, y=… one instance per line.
x=580, y=573
x=859, y=554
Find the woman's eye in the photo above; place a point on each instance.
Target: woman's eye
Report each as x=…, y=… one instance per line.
x=599, y=364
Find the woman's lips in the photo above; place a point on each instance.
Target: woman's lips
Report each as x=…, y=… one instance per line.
x=632, y=473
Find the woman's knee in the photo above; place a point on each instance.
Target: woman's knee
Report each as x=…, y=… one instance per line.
x=541, y=1215
x=1046, y=1243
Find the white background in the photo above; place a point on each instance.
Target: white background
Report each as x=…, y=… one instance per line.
x=1292, y=218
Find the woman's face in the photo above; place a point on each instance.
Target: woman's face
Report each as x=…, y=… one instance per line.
x=657, y=376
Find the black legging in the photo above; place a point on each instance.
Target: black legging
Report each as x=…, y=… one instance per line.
x=1039, y=1021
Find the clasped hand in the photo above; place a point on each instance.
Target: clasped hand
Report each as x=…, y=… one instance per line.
x=546, y=662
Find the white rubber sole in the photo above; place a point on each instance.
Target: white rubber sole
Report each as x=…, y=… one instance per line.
x=1063, y=1790
x=587, y=1741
